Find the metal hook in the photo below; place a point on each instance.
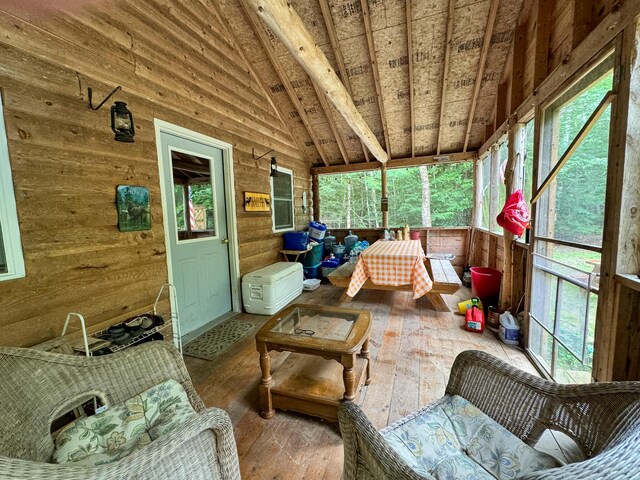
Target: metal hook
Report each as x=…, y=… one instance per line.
x=253, y=154
x=90, y=91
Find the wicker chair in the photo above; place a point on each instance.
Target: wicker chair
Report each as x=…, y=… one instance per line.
x=603, y=419
x=37, y=387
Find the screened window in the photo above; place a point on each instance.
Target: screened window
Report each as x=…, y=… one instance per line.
x=485, y=173
x=282, y=204
x=11, y=259
x=351, y=200
x=527, y=176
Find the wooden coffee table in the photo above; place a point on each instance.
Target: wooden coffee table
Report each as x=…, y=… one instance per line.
x=327, y=364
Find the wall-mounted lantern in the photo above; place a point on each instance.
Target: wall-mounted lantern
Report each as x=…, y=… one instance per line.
x=121, y=118
x=274, y=167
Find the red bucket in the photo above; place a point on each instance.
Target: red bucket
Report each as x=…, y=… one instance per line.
x=485, y=284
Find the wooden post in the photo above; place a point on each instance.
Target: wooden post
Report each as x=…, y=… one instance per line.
x=383, y=180
x=513, y=181
x=315, y=197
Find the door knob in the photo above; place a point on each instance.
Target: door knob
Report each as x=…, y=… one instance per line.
x=225, y=241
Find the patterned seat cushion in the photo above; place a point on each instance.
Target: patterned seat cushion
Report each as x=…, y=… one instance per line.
x=452, y=439
x=122, y=429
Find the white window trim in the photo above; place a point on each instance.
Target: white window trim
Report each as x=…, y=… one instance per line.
x=273, y=209
x=8, y=211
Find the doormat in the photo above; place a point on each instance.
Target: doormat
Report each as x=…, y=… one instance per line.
x=219, y=339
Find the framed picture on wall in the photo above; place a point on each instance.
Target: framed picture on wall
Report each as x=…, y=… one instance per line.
x=134, y=208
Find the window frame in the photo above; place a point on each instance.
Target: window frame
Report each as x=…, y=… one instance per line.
x=10, y=239
x=273, y=203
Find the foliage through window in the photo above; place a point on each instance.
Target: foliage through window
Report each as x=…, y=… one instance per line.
x=11, y=259
x=282, y=200
x=426, y=196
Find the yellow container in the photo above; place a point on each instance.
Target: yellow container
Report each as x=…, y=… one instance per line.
x=466, y=305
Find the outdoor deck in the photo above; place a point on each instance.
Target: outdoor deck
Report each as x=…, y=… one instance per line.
x=412, y=348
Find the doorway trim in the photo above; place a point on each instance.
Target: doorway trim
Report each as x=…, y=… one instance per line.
x=162, y=126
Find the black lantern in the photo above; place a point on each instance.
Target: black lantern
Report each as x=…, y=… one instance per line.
x=122, y=122
x=274, y=167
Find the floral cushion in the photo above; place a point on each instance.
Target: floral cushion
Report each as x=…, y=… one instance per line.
x=122, y=429
x=452, y=439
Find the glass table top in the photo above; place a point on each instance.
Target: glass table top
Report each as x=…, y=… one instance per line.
x=311, y=322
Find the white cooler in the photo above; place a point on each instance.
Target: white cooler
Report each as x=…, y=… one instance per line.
x=268, y=290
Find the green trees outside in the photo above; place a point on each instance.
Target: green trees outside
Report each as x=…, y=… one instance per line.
x=352, y=200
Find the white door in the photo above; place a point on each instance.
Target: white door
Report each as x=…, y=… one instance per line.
x=198, y=244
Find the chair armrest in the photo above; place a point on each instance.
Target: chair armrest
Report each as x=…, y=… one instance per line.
x=170, y=453
x=366, y=453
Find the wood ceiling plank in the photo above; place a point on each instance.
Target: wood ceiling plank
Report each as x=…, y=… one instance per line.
x=491, y=20
x=337, y=51
x=284, y=78
x=445, y=72
x=285, y=24
x=412, y=106
x=374, y=70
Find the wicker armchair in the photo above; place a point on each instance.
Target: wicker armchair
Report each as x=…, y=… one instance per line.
x=603, y=419
x=37, y=387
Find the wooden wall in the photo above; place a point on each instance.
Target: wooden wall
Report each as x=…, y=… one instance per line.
x=453, y=240
x=176, y=62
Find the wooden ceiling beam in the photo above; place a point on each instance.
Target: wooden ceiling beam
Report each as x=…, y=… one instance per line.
x=445, y=72
x=412, y=107
x=285, y=24
x=276, y=108
x=491, y=20
x=397, y=163
x=332, y=124
x=337, y=52
x=284, y=78
x=374, y=70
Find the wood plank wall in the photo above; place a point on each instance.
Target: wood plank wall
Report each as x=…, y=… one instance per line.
x=453, y=240
x=175, y=62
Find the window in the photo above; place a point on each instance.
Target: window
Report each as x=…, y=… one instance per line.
x=493, y=192
x=485, y=197
x=527, y=176
x=282, y=205
x=351, y=200
x=569, y=227
x=11, y=259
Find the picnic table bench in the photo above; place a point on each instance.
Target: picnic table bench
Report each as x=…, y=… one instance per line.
x=444, y=277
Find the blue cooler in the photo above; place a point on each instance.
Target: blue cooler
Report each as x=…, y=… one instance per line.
x=312, y=272
x=295, y=240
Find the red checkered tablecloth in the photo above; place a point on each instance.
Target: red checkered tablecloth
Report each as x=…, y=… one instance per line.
x=392, y=263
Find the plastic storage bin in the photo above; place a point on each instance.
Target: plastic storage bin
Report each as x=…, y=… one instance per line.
x=270, y=289
x=314, y=256
x=312, y=271
x=295, y=240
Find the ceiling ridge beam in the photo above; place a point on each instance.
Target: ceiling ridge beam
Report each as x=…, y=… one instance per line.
x=445, y=71
x=457, y=157
x=275, y=62
x=285, y=23
x=337, y=51
x=277, y=109
x=491, y=20
x=332, y=124
x=374, y=70
x=412, y=106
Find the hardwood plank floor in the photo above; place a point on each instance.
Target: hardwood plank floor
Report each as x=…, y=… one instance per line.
x=412, y=350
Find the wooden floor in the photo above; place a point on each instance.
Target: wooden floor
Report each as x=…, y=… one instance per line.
x=412, y=350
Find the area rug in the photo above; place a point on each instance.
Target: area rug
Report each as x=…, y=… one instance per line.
x=219, y=339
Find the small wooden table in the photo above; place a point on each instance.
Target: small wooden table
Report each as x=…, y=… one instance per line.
x=328, y=363
x=297, y=253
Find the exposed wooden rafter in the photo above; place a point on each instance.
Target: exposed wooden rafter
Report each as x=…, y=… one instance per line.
x=397, y=163
x=337, y=52
x=374, y=70
x=285, y=23
x=277, y=108
x=412, y=107
x=284, y=78
x=332, y=124
x=445, y=72
x=491, y=20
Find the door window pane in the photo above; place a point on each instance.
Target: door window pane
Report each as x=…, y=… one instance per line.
x=193, y=196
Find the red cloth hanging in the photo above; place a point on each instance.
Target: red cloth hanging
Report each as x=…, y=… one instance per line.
x=515, y=214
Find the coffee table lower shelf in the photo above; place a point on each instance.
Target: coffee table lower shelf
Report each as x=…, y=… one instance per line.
x=312, y=385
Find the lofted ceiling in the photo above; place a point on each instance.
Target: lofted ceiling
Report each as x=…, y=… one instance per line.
x=368, y=43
